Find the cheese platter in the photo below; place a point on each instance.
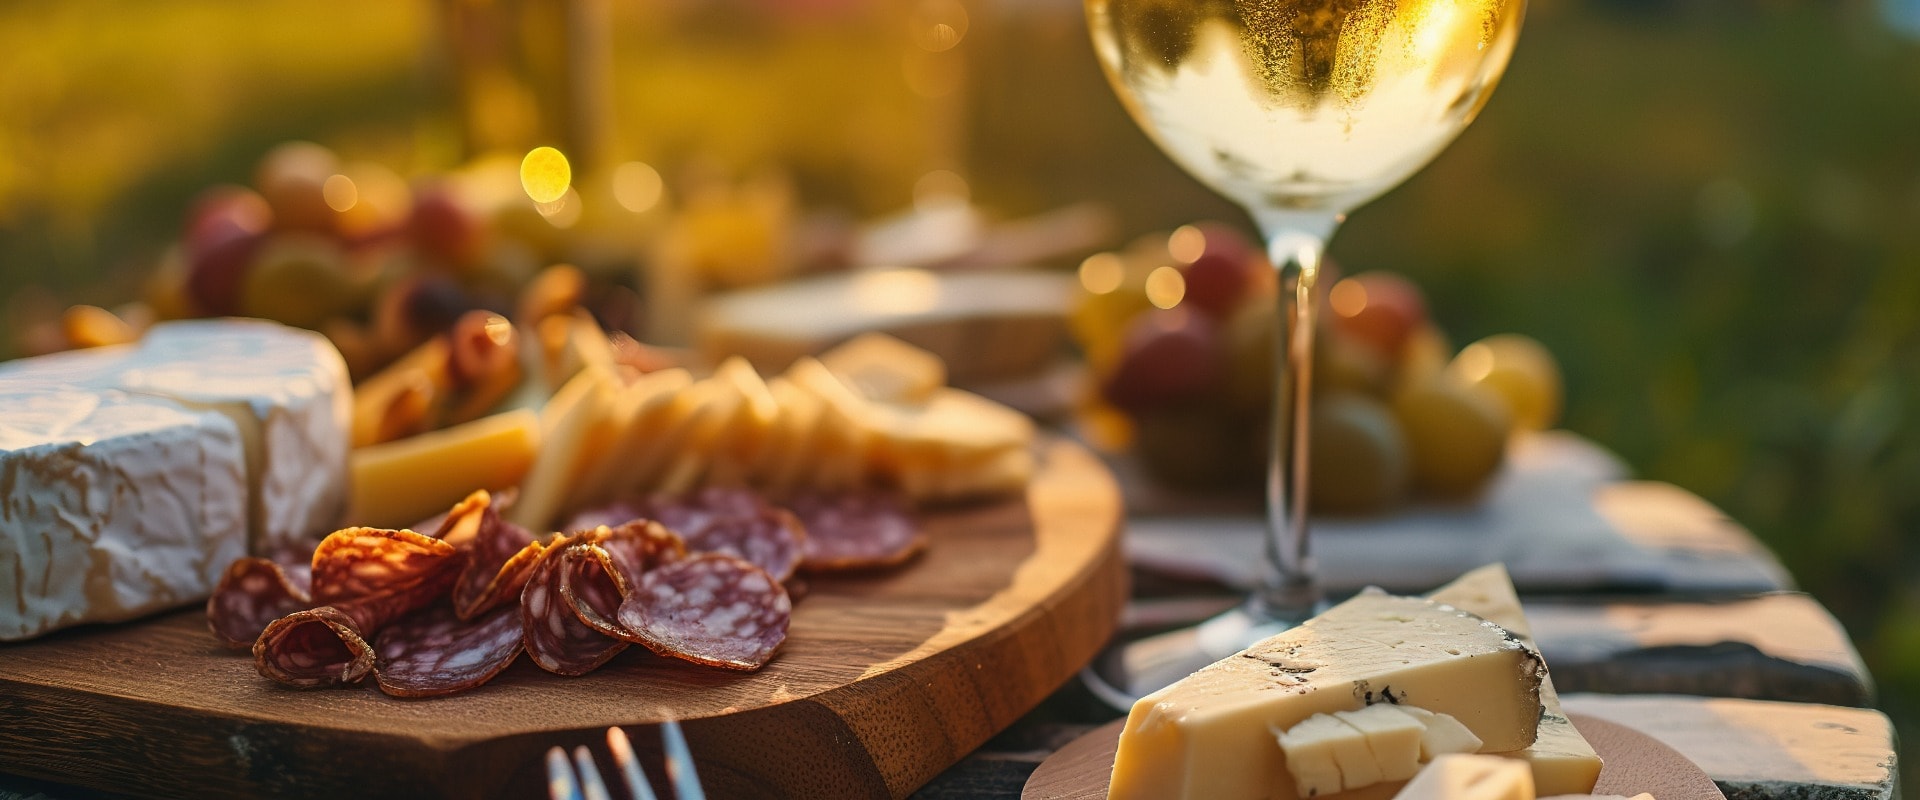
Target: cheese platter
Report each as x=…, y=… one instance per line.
x=887, y=679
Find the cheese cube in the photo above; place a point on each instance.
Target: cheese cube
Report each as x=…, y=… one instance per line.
x=112, y=505
x=1393, y=736
x=1209, y=736
x=1309, y=748
x=1470, y=777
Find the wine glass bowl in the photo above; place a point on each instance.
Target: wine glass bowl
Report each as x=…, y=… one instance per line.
x=1303, y=105
x=1300, y=111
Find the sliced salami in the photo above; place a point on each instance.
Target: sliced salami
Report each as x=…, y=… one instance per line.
x=252, y=594
x=556, y=639
x=434, y=652
x=684, y=514
x=313, y=648
x=373, y=612
x=358, y=562
x=771, y=539
x=499, y=557
x=593, y=587
x=461, y=524
x=855, y=530
x=709, y=609
x=641, y=545
x=473, y=596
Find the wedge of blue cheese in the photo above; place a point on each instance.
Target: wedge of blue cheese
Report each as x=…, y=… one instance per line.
x=1217, y=733
x=130, y=476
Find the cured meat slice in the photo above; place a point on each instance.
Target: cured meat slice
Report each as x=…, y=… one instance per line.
x=313, y=648
x=461, y=524
x=358, y=562
x=709, y=609
x=771, y=539
x=373, y=612
x=457, y=525
x=435, y=652
x=252, y=594
x=556, y=638
x=476, y=591
x=499, y=557
x=593, y=587
x=640, y=545
x=855, y=530
x=684, y=514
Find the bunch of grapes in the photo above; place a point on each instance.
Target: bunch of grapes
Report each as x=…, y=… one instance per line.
x=1179, y=333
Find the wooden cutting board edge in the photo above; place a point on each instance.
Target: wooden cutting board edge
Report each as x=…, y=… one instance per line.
x=951, y=695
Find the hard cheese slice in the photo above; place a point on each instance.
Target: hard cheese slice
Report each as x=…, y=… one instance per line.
x=1562, y=761
x=1470, y=777
x=1212, y=735
x=112, y=505
x=397, y=484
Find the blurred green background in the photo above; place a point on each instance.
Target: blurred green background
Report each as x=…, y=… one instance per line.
x=1710, y=211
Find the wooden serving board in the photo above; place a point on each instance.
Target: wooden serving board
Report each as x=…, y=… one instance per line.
x=885, y=680
x=1635, y=763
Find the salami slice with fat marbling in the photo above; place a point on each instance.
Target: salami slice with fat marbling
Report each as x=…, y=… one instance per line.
x=435, y=652
x=313, y=648
x=855, y=530
x=771, y=539
x=640, y=545
x=593, y=586
x=499, y=557
x=252, y=594
x=556, y=638
x=358, y=562
x=709, y=609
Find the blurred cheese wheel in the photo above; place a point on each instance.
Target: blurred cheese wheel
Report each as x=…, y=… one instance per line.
x=987, y=326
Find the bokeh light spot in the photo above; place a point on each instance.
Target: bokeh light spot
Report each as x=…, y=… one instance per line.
x=545, y=174
x=340, y=193
x=637, y=186
x=1348, y=298
x=1102, y=273
x=1186, y=244
x=1166, y=287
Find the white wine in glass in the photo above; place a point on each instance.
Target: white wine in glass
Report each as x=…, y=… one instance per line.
x=1300, y=111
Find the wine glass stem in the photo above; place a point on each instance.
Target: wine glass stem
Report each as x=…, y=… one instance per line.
x=1295, y=244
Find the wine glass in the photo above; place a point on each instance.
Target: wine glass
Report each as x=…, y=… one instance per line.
x=1300, y=111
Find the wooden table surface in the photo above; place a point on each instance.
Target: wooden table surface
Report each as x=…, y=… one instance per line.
x=1762, y=689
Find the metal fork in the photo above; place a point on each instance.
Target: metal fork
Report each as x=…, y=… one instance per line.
x=580, y=779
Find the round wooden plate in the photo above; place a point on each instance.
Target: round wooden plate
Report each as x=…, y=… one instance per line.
x=885, y=680
x=1635, y=763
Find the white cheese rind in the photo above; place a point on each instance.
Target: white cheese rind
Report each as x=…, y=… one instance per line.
x=1209, y=736
x=291, y=386
x=286, y=391
x=112, y=505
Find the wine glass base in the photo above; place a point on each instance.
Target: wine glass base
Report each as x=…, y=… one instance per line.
x=1129, y=670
